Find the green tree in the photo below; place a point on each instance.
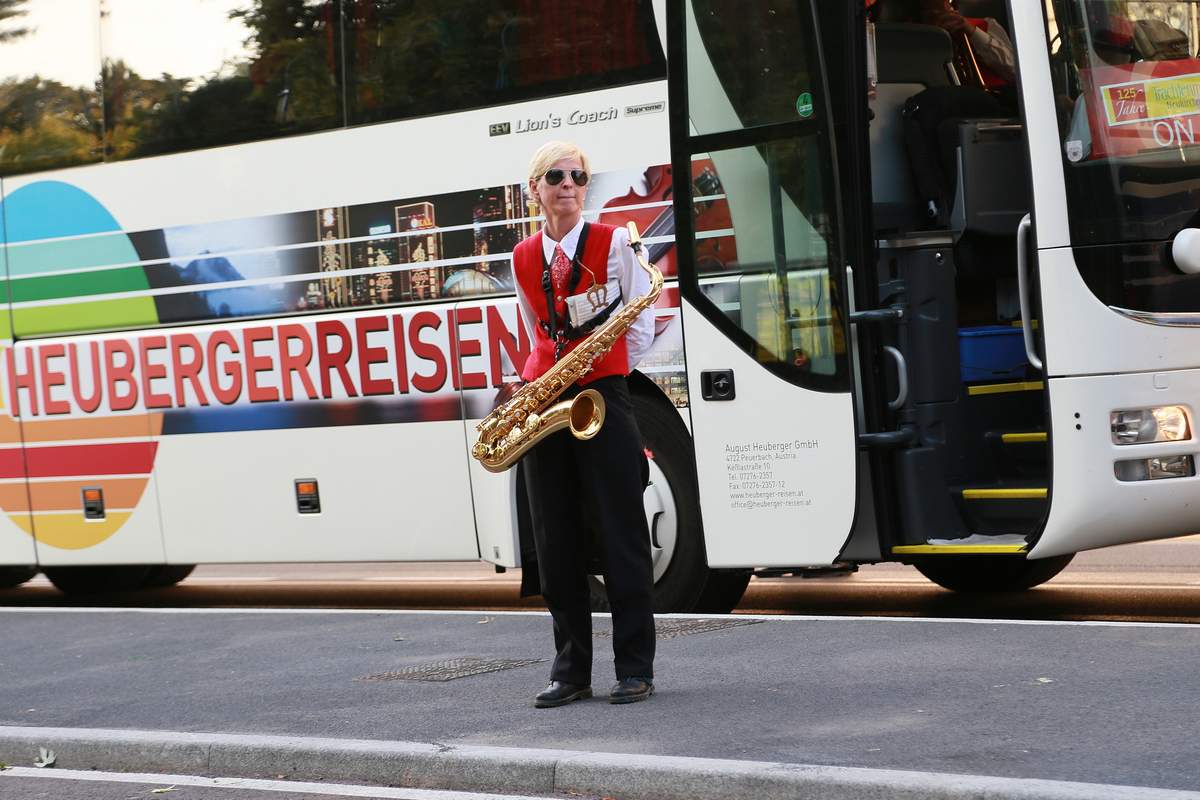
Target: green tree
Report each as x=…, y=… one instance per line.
x=287, y=85
x=295, y=63
x=133, y=105
x=45, y=124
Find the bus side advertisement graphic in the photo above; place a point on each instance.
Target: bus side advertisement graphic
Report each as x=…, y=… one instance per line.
x=91, y=409
x=404, y=366
x=72, y=269
x=413, y=335
x=414, y=352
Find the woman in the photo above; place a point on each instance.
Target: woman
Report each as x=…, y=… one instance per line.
x=576, y=486
x=991, y=43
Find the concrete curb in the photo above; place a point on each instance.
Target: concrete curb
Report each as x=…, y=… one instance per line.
x=521, y=770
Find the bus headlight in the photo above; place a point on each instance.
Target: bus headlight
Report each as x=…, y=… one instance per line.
x=1142, y=425
x=1153, y=469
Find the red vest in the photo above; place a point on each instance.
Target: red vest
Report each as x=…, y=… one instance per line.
x=528, y=263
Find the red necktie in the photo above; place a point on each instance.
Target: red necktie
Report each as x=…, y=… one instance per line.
x=560, y=273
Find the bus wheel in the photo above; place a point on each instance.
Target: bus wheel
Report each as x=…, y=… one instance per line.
x=11, y=577
x=672, y=505
x=723, y=591
x=164, y=575
x=991, y=573
x=94, y=580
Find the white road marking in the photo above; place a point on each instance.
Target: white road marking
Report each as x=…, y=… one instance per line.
x=300, y=787
x=597, y=615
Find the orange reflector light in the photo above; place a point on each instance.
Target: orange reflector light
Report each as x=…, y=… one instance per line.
x=308, y=498
x=93, y=502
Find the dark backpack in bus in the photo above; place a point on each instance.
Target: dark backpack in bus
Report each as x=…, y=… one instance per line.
x=930, y=137
x=1155, y=40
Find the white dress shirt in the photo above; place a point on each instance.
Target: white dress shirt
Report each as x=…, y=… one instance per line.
x=623, y=264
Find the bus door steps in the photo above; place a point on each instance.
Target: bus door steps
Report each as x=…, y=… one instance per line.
x=976, y=544
x=1019, y=437
x=1002, y=508
x=1007, y=387
x=1018, y=455
x=1005, y=494
x=995, y=409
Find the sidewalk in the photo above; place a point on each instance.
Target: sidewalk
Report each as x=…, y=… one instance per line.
x=745, y=707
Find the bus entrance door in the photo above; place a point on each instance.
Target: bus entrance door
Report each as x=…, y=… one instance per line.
x=763, y=289
x=1116, y=311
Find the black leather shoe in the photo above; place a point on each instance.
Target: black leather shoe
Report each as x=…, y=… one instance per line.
x=559, y=694
x=630, y=690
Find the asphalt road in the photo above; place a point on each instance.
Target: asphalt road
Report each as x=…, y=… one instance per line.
x=1102, y=703
x=1088, y=704
x=1156, y=581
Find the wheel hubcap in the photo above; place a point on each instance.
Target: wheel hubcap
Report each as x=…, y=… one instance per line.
x=661, y=519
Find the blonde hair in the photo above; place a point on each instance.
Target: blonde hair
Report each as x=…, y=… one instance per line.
x=552, y=152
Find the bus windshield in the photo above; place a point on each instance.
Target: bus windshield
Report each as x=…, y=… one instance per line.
x=1127, y=86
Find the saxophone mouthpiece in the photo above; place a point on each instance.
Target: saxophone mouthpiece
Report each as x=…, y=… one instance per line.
x=635, y=238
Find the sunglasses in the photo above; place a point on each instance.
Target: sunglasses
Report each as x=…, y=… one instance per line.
x=555, y=176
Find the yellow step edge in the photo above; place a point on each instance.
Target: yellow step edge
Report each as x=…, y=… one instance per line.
x=957, y=549
x=1023, y=438
x=1016, y=323
x=1001, y=388
x=1005, y=494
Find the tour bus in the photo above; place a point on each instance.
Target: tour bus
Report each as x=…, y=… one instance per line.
x=918, y=308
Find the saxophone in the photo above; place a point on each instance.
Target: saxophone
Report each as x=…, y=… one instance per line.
x=531, y=414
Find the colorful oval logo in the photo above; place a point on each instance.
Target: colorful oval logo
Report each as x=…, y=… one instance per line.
x=60, y=242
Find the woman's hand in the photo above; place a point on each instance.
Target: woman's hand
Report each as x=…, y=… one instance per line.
x=939, y=12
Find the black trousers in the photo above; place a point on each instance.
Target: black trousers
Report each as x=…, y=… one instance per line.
x=578, y=487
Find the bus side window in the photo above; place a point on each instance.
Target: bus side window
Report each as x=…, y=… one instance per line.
x=419, y=58
x=206, y=74
x=202, y=75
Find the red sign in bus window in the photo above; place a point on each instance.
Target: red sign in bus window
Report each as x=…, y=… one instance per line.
x=1147, y=106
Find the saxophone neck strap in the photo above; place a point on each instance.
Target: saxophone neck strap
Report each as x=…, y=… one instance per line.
x=559, y=330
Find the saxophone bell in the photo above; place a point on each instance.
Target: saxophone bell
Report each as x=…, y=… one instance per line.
x=582, y=415
x=587, y=414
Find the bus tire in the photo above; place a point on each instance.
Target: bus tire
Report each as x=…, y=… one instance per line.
x=164, y=575
x=723, y=591
x=975, y=574
x=12, y=577
x=681, y=568
x=96, y=580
